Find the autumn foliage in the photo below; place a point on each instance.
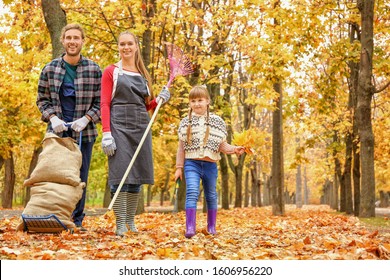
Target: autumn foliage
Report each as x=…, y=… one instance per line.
x=314, y=232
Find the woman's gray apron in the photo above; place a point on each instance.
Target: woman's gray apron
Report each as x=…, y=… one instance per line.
x=129, y=120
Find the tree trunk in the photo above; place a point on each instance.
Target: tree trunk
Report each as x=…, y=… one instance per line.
x=224, y=182
x=267, y=189
x=55, y=19
x=254, y=181
x=347, y=176
x=298, y=182
x=328, y=187
x=383, y=199
x=277, y=177
x=165, y=188
x=33, y=164
x=364, y=97
x=298, y=188
x=149, y=195
x=181, y=195
x=107, y=196
x=1, y=162
x=305, y=188
x=246, y=192
x=150, y=7
x=339, y=177
x=141, y=202
x=354, y=35
x=356, y=178
x=9, y=181
x=238, y=170
x=335, y=192
x=238, y=176
x=258, y=194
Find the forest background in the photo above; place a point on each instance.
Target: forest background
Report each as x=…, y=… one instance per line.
x=285, y=75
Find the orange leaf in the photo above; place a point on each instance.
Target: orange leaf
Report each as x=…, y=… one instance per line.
x=375, y=233
x=249, y=150
x=307, y=240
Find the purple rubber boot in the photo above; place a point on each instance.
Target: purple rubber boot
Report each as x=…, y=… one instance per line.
x=211, y=221
x=190, y=222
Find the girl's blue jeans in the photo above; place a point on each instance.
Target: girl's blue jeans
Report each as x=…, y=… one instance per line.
x=194, y=171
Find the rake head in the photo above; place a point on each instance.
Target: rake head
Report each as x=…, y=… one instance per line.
x=179, y=63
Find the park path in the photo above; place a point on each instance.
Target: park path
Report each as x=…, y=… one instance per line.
x=9, y=213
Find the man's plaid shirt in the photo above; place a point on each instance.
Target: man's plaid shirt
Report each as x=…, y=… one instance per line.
x=87, y=86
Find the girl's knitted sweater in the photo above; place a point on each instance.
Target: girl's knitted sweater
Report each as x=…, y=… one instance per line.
x=215, y=144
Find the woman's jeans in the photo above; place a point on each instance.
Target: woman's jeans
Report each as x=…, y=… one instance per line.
x=194, y=171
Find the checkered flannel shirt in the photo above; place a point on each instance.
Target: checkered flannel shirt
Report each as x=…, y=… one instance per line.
x=87, y=85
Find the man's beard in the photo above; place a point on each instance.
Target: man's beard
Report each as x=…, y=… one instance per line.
x=73, y=53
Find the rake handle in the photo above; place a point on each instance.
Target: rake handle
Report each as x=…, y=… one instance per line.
x=171, y=78
x=176, y=203
x=135, y=154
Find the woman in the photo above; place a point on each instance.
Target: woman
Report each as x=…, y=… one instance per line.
x=126, y=97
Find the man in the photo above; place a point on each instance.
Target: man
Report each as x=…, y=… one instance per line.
x=69, y=100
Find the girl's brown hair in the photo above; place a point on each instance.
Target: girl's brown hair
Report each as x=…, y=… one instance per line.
x=198, y=92
x=140, y=65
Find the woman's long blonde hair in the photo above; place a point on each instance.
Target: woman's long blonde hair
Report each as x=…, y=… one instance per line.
x=198, y=92
x=140, y=65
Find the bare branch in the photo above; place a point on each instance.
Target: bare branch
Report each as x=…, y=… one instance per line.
x=382, y=88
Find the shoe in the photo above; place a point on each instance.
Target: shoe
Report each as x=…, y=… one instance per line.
x=190, y=222
x=81, y=228
x=211, y=221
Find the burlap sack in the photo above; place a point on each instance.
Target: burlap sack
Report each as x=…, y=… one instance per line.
x=59, y=162
x=52, y=198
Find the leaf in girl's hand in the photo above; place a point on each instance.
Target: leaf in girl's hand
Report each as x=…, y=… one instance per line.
x=249, y=150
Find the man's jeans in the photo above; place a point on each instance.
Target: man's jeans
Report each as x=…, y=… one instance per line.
x=194, y=171
x=86, y=151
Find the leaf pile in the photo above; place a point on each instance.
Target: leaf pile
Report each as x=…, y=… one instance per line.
x=314, y=232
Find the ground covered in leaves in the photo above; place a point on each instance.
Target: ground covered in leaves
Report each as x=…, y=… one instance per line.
x=313, y=232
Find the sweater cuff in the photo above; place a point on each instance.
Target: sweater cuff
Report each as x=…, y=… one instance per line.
x=226, y=148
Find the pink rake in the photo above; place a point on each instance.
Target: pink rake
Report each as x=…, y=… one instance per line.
x=179, y=64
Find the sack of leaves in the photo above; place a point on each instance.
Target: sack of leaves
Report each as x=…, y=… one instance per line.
x=52, y=198
x=59, y=162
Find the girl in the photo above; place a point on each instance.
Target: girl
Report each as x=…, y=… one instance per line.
x=202, y=136
x=126, y=97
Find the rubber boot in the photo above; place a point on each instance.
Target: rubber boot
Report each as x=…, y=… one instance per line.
x=190, y=222
x=211, y=221
x=119, y=208
x=132, y=204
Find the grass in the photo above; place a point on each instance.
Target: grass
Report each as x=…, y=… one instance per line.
x=381, y=224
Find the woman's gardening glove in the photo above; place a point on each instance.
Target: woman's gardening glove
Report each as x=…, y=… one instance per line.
x=108, y=144
x=164, y=95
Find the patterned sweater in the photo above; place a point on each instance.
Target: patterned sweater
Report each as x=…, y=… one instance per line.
x=197, y=149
